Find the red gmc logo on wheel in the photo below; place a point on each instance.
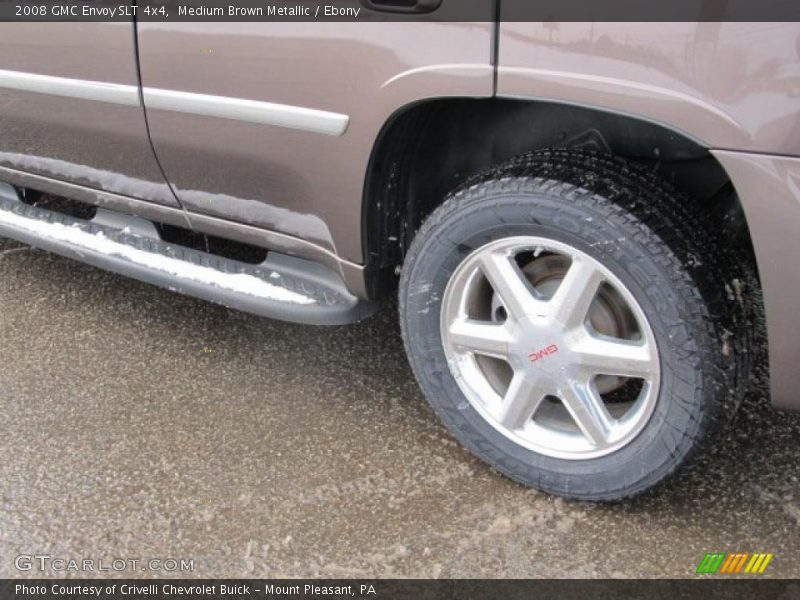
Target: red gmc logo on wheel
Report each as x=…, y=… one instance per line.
x=544, y=353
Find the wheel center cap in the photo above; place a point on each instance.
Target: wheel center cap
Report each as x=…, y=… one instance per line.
x=542, y=346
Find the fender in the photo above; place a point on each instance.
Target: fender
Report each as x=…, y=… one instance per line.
x=690, y=77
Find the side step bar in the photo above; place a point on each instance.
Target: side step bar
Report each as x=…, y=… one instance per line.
x=282, y=287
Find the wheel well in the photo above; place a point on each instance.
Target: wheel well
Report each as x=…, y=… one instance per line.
x=428, y=149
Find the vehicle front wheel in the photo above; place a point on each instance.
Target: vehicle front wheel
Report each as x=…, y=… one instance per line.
x=562, y=322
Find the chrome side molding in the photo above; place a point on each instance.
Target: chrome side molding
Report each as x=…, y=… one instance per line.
x=221, y=107
x=251, y=111
x=110, y=93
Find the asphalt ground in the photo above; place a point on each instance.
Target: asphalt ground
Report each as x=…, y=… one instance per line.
x=139, y=424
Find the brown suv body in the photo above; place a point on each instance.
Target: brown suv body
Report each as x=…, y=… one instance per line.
x=284, y=136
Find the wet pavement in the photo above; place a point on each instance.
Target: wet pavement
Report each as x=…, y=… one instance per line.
x=139, y=424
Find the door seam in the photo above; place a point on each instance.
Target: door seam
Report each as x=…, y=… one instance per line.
x=140, y=88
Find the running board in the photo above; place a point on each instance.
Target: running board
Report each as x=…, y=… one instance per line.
x=282, y=287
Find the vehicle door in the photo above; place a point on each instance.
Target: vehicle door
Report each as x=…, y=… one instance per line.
x=272, y=124
x=70, y=108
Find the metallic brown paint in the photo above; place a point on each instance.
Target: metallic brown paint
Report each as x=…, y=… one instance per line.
x=295, y=182
x=96, y=144
x=727, y=85
x=732, y=87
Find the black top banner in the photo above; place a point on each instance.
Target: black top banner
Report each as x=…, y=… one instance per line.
x=400, y=10
x=387, y=589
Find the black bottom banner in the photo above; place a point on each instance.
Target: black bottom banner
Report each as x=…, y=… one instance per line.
x=466, y=589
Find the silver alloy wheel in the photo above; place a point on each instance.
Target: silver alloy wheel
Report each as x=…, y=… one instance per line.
x=550, y=348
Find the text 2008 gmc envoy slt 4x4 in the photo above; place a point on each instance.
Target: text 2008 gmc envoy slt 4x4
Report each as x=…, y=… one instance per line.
x=593, y=228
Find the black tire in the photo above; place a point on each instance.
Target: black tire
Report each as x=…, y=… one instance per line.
x=665, y=257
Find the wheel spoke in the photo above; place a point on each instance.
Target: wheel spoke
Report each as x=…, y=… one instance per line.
x=520, y=401
x=589, y=412
x=573, y=298
x=483, y=338
x=510, y=284
x=615, y=357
